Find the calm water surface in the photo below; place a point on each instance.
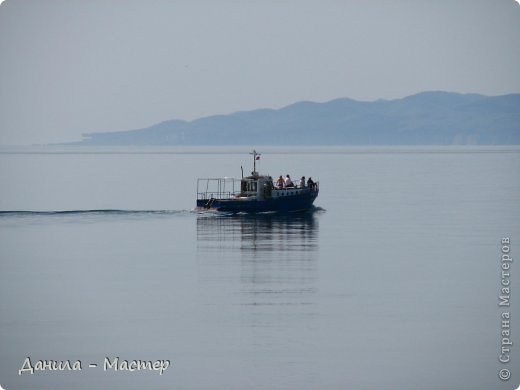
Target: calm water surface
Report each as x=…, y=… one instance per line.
x=391, y=283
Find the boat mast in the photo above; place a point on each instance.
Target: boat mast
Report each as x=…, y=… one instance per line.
x=255, y=154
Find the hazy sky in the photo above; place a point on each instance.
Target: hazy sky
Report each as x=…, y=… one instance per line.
x=74, y=66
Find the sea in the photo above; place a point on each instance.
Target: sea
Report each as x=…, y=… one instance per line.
x=392, y=281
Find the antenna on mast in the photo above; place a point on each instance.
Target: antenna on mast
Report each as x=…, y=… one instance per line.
x=256, y=156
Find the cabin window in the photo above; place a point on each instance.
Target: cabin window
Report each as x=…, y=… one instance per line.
x=248, y=186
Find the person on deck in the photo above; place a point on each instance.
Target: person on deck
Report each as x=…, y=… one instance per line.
x=288, y=181
x=302, y=182
x=280, y=183
x=310, y=183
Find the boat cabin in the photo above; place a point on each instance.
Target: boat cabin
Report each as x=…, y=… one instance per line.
x=260, y=187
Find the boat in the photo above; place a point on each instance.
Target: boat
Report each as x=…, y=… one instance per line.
x=253, y=194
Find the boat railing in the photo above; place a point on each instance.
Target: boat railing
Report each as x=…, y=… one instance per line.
x=218, y=188
x=313, y=187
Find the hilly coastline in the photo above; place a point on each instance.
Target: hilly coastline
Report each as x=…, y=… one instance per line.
x=428, y=118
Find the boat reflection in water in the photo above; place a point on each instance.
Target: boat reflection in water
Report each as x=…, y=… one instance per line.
x=264, y=263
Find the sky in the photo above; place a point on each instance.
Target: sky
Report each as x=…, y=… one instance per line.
x=69, y=67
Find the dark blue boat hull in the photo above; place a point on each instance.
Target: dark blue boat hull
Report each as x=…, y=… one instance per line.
x=298, y=202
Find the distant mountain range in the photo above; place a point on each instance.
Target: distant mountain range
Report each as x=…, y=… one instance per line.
x=428, y=118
